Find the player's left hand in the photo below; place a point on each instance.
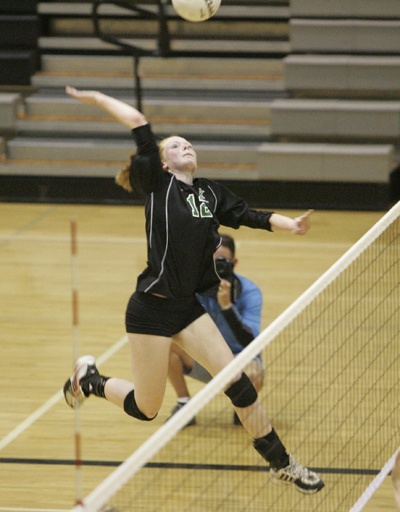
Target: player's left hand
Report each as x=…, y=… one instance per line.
x=302, y=224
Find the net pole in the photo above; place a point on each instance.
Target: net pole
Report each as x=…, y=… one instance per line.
x=375, y=484
x=75, y=344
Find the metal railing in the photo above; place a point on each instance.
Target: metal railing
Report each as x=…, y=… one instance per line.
x=160, y=12
x=163, y=48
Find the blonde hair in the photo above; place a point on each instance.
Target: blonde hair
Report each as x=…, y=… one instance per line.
x=122, y=176
x=161, y=145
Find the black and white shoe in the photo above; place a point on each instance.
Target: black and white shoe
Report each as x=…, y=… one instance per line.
x=304, y=480
x=75, y=394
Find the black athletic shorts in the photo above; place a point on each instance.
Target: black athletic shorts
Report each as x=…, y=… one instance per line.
x=149, y=314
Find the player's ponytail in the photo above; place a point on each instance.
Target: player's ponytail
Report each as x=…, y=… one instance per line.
x=122, y=177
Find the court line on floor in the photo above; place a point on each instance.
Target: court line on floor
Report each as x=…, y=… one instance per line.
x=19, y=232
x=67, y=239
x=183, y=465
x=32, y=418
x=10, y=509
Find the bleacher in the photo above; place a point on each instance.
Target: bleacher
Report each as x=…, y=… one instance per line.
x=340, y=121
x=274, y=108
x=214, y=87
x=19, y=33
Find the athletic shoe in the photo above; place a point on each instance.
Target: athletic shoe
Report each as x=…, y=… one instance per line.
x=177, y=408
x=305, y=481
x=74, y=394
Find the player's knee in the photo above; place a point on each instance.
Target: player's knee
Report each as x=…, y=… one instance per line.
x=131, y=408
x=257, y=379
x=242, y=392
x=255, y=372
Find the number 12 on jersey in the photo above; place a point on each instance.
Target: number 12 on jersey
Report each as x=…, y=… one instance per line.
x=204, y=210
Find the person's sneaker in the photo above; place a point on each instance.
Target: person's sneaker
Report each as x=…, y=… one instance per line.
x=74, y=394
x=177, y=408
x=305, y=481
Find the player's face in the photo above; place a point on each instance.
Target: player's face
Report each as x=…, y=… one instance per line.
x=178, y=155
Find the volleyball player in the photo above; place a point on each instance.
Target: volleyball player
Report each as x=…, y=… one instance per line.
x=182, y=219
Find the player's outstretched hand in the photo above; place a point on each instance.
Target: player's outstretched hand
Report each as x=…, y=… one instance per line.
x=302, y=223
x=119, y=110
x=89, y=97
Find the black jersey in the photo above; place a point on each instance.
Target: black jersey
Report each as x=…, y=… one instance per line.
x=182, y=223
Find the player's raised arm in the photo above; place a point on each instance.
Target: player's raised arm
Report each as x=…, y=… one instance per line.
x=122, y=112
x=298, y=226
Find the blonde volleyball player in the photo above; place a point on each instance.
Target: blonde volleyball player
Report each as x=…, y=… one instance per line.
x=182, y=219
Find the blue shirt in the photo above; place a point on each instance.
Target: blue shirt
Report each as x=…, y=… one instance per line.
x=247, y=307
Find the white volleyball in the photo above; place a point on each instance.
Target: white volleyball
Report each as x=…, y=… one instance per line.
x=196, y=10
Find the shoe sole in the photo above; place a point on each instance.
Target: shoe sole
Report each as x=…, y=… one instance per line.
x=320, y=485
x=316, y=489
x=73, y=393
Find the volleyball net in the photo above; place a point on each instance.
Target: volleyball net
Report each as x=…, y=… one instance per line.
x=331, y=392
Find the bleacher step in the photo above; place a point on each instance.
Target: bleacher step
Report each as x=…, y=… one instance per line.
x=351, y=36
x=344, y=75
x=99, y=158
x=230, y=46
x=270, y=11
x=105, y=150
x=207, y=130
x=239, y=112
x=362, y=9
x=313, y=162
x=59, y=169
x=319, y=120
x=162, y=74
x=251, y=21
x=162, y=66
x=157, y=84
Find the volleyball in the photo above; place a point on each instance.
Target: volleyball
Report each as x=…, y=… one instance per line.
x=196, y=10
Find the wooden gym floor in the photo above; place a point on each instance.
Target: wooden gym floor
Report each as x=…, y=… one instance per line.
x=36, y=349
